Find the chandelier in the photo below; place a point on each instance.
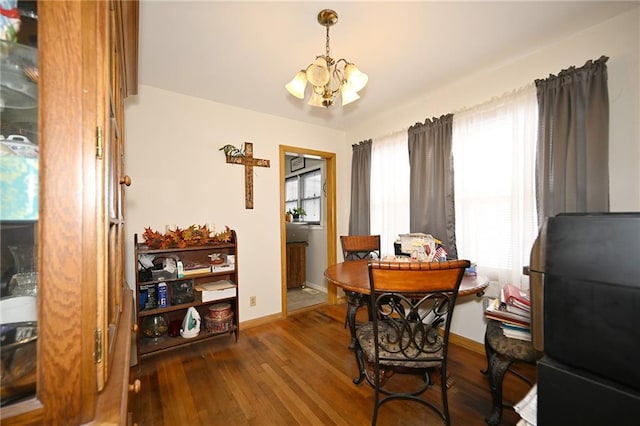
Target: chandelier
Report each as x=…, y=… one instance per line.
x=328, y=76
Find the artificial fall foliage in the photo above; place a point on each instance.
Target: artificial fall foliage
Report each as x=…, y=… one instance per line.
x=194, y=235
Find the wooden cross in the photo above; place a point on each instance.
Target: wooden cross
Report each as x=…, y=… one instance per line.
x=248, y=161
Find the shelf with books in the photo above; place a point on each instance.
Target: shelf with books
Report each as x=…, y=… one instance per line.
x=184, y=290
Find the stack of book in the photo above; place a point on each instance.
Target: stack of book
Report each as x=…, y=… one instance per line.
x=513, y=311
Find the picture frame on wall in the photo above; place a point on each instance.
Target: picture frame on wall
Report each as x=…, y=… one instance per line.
x=297, y=163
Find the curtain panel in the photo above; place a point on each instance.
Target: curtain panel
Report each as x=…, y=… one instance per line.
x=390, y=184
x=359, y=215
x=494, y=148
x=572, y=160
x=431, y=181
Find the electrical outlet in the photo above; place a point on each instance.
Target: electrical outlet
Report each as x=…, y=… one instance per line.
x=252, y=301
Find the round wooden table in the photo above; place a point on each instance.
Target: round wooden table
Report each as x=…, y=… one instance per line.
x=353, y=277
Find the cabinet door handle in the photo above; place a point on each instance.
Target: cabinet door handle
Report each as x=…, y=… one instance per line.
x=125, y=180
x=135, y=386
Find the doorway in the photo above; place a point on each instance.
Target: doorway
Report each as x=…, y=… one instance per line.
x=327, y=228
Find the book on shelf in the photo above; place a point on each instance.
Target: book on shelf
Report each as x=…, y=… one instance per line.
x=504, y=306
x=217, y=290
x=516, y=332
x=507, y=320
x=494, y=308
x=196, y=271
x=517, y=297
x=191, y=268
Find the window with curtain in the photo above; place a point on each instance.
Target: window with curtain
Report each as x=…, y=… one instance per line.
x=305, y=190
x=494, y=159
x=389, y=189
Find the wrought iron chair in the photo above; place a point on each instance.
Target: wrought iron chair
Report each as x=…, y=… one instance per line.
x=412, y=306
x=358, y=247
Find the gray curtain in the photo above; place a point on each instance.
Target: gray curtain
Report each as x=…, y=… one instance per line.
x=359, y=216
x=431, y=181
x=572, y=159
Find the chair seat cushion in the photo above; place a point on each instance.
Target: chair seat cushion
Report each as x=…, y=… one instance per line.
x=412, y=357
x=516, y=349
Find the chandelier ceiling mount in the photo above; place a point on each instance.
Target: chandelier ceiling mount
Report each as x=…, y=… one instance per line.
x=327, y=76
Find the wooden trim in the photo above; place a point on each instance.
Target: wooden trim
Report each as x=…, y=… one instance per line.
x=260, y=321
x=466, y=343
x=109, y=408
x=330, y=174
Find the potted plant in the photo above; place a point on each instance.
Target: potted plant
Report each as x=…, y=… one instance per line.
x=297, y=213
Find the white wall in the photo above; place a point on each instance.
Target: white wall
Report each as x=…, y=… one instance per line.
x=619, y=39
x=180, y=177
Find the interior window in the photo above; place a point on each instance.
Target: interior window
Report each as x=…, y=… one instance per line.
x=305, y=190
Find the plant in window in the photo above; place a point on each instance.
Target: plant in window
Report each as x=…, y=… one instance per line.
x=297, y=213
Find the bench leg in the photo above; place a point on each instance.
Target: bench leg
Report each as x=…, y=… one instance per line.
x=497, y=368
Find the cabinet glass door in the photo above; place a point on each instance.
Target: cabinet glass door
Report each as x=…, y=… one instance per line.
x=19, y=175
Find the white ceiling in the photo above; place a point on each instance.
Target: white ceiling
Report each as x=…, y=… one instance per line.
x=243, y=53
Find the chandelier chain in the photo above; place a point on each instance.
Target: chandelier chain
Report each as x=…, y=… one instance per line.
x=328, y=57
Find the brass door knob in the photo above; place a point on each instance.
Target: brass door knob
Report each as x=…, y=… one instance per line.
x=134, y=328
x=126, y=180
x=135, y=386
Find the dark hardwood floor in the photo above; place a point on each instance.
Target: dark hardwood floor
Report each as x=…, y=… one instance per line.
x=296, y=371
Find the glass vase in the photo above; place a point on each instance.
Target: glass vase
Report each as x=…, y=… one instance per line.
x=25, y=281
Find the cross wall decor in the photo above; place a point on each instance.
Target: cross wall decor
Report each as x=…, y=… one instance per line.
x=236, y=156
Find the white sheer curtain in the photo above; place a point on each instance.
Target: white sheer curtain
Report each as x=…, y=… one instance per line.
x=494, y=159
x=390, y=188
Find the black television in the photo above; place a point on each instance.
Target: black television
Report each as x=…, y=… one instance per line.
x=585, y=290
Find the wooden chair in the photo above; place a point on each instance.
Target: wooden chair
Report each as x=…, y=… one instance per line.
x=410, y=302
x=357, y=247
x=360, y=247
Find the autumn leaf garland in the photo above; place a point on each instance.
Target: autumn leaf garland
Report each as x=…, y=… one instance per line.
x=194, y=235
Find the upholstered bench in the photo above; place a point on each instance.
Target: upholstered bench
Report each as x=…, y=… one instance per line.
x=501, y=352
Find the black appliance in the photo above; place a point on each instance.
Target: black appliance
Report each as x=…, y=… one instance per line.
x=585, y=289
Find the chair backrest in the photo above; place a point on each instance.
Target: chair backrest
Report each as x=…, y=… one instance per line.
x=360, y=246
x=413, y=299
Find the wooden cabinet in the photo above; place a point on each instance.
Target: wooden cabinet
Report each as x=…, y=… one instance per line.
x=87, y=64
x=296, y=264
x=164, y=296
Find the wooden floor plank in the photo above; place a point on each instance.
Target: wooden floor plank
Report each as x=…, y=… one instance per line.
x=297, y=371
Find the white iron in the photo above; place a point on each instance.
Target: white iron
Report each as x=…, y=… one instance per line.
x=190, y=324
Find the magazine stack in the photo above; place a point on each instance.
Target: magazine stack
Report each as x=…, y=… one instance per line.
x=513, y=311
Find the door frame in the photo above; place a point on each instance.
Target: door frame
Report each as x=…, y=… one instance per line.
x=330, y=172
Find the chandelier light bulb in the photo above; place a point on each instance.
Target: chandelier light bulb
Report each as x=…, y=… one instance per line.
x=348, y=94
x=316, y=99
x=298, y=84
x=318, y=73
x=356, y=78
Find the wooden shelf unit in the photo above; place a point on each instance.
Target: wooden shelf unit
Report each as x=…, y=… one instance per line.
x=176, y=312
